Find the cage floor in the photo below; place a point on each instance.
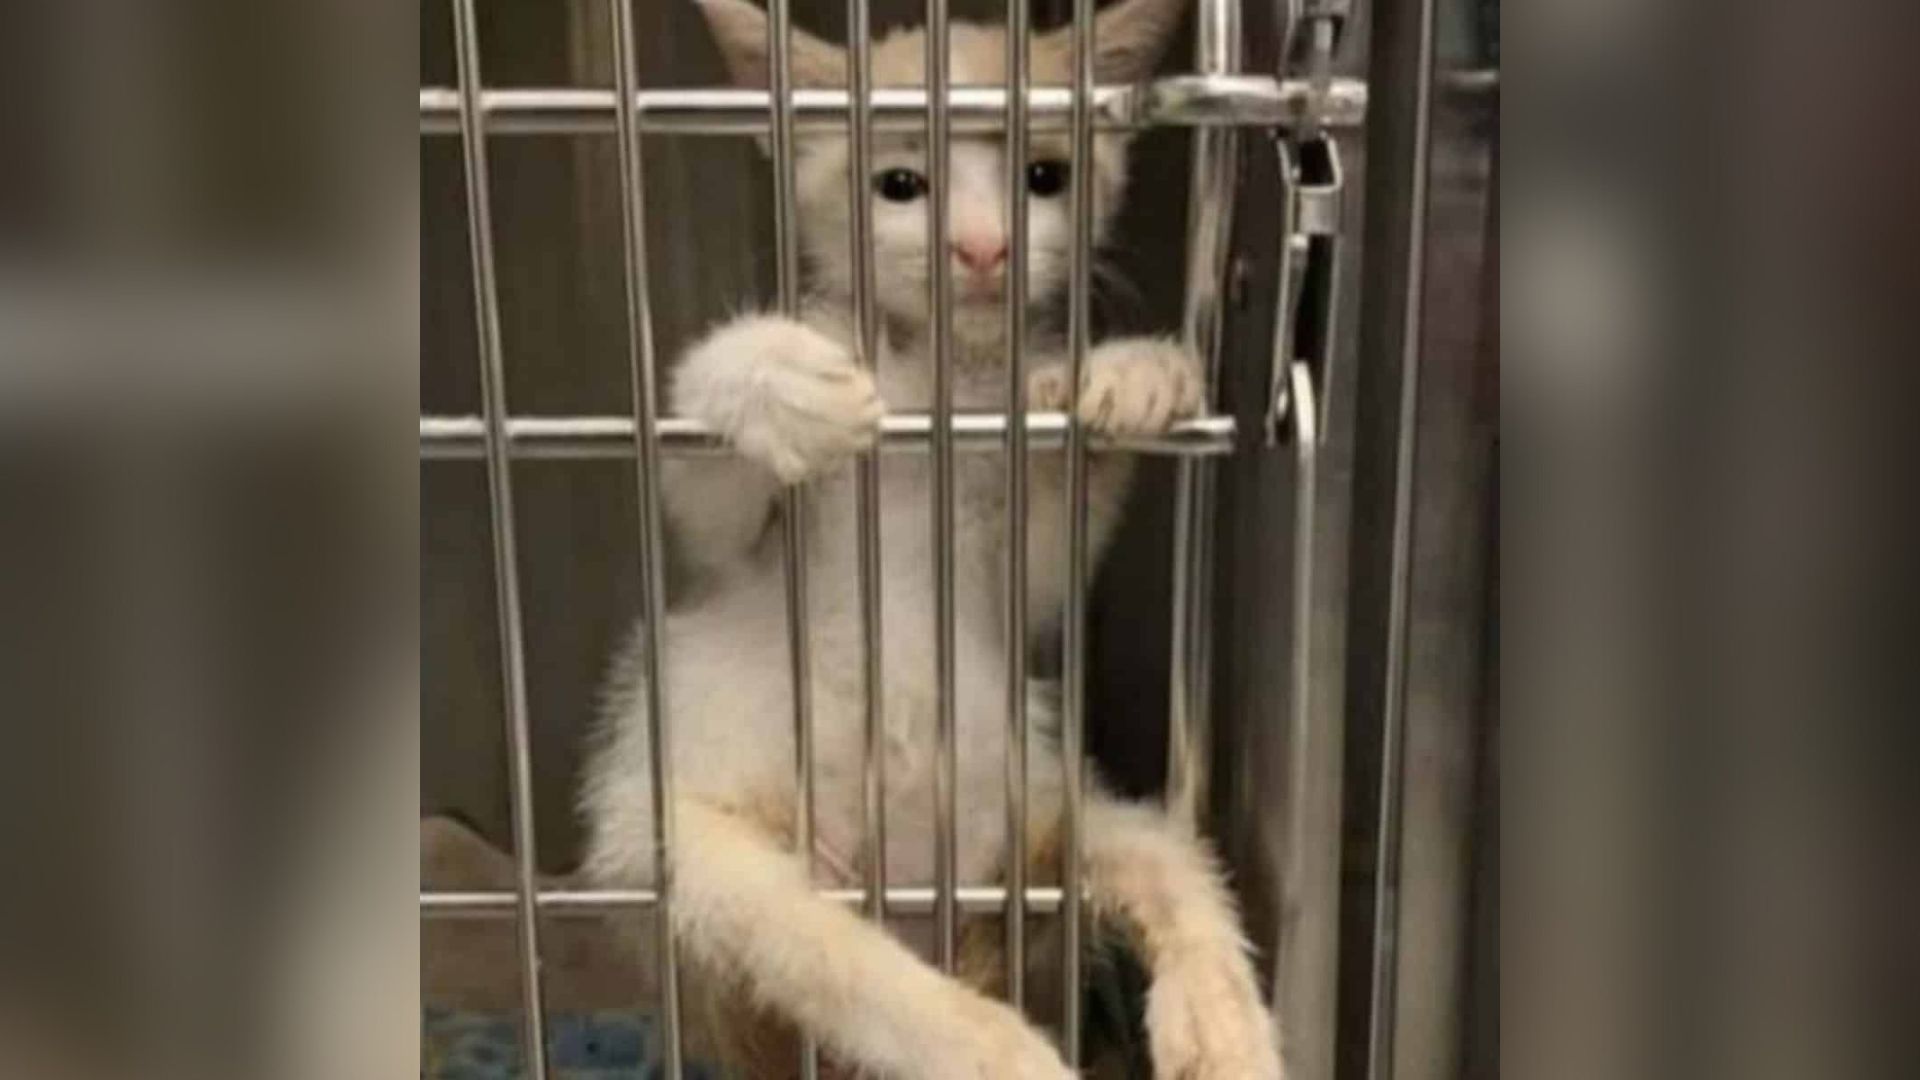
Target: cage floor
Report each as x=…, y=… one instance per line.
x=470, y=990
x=475, y=1045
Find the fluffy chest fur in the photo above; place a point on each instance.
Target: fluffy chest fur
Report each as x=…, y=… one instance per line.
x=750, y=618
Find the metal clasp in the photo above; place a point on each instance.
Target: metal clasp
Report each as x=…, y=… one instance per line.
x=1312, y=204
x=1313, y=30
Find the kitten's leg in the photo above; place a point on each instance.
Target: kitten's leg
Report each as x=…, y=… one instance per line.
x=1205, y=1018
x=743, y=906
x=792, y=403
x=719, y=506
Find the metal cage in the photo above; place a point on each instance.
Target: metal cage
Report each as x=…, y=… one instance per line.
x=1283, y=130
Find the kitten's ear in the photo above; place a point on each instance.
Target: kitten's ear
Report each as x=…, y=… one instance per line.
x=1129, y=37
x=740, y=29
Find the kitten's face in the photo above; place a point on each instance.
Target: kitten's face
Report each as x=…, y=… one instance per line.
x=1129, y=37
x=978, y=216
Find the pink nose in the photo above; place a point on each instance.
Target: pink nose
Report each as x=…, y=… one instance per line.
x=981, y=255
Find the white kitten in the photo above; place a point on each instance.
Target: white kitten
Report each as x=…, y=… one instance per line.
x=795, y=405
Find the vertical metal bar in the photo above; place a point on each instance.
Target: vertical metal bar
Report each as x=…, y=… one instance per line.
x=1289, y=13
x=1320, y=62
x=1019, y=81
x=1319, y=66
x=867, y=472
x=787, y=251
x=780, y=94
x=1288, y=277
x=642, y=362
x=1305, y=967
x=1305, y=417
x=1330, y=331
x=1210, y=217
x=1184, y=752
x=493, y=390
x=866, y=324
x=794, y=552
x=1073, y=643
x=1304, y=990
x=1386, y=913
x=939, y=149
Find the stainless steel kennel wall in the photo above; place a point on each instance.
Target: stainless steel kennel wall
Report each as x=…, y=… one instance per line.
x=1265, y=231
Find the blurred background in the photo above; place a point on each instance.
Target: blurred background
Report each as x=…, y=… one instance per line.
x=232, y=277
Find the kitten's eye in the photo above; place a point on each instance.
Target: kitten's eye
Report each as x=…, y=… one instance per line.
x=1047, y=177
x=900, y=185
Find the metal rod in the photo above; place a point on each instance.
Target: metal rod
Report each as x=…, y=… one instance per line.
x=794, y=519
x=586, y=903
x=1320, y=59
x=940, y=307
x=1308, y=911
x=866, y=323
x=1182, y=798
x=576, y=437
x=1386, y=912
x=1219, y=53
x=780, y=102
x=1330, y=329
x=506, y=571
x=1471, y=82
x=642, y=362
x=1289, y=276
x=1189, y=728
x=1210, y=223
x=1019, y=84
x=1177, y=101
x=1305, y=968
x=1289, y=12
x=1074, y=644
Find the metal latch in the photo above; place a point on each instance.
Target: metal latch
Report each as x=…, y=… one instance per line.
x=1313, y=31
x=1312, y=197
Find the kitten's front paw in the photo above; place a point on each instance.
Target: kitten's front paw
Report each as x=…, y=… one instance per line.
x=1137, y=386
x=809, y=405
x=1205, y=1021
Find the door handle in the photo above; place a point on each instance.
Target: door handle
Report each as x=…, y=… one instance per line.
x=1313, y=192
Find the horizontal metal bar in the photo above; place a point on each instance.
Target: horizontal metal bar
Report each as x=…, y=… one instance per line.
x=460, y=437
x=1470, y=81
x=901, y=900
x=1179, y=101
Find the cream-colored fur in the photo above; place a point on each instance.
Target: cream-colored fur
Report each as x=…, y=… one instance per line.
x=795, y=405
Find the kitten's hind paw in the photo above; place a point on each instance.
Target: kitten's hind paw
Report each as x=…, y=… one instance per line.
x=1205, y=1021
x=808, y=405
x=998, y=1044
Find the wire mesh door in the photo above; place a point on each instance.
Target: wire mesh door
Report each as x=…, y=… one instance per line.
x=1288, y=119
